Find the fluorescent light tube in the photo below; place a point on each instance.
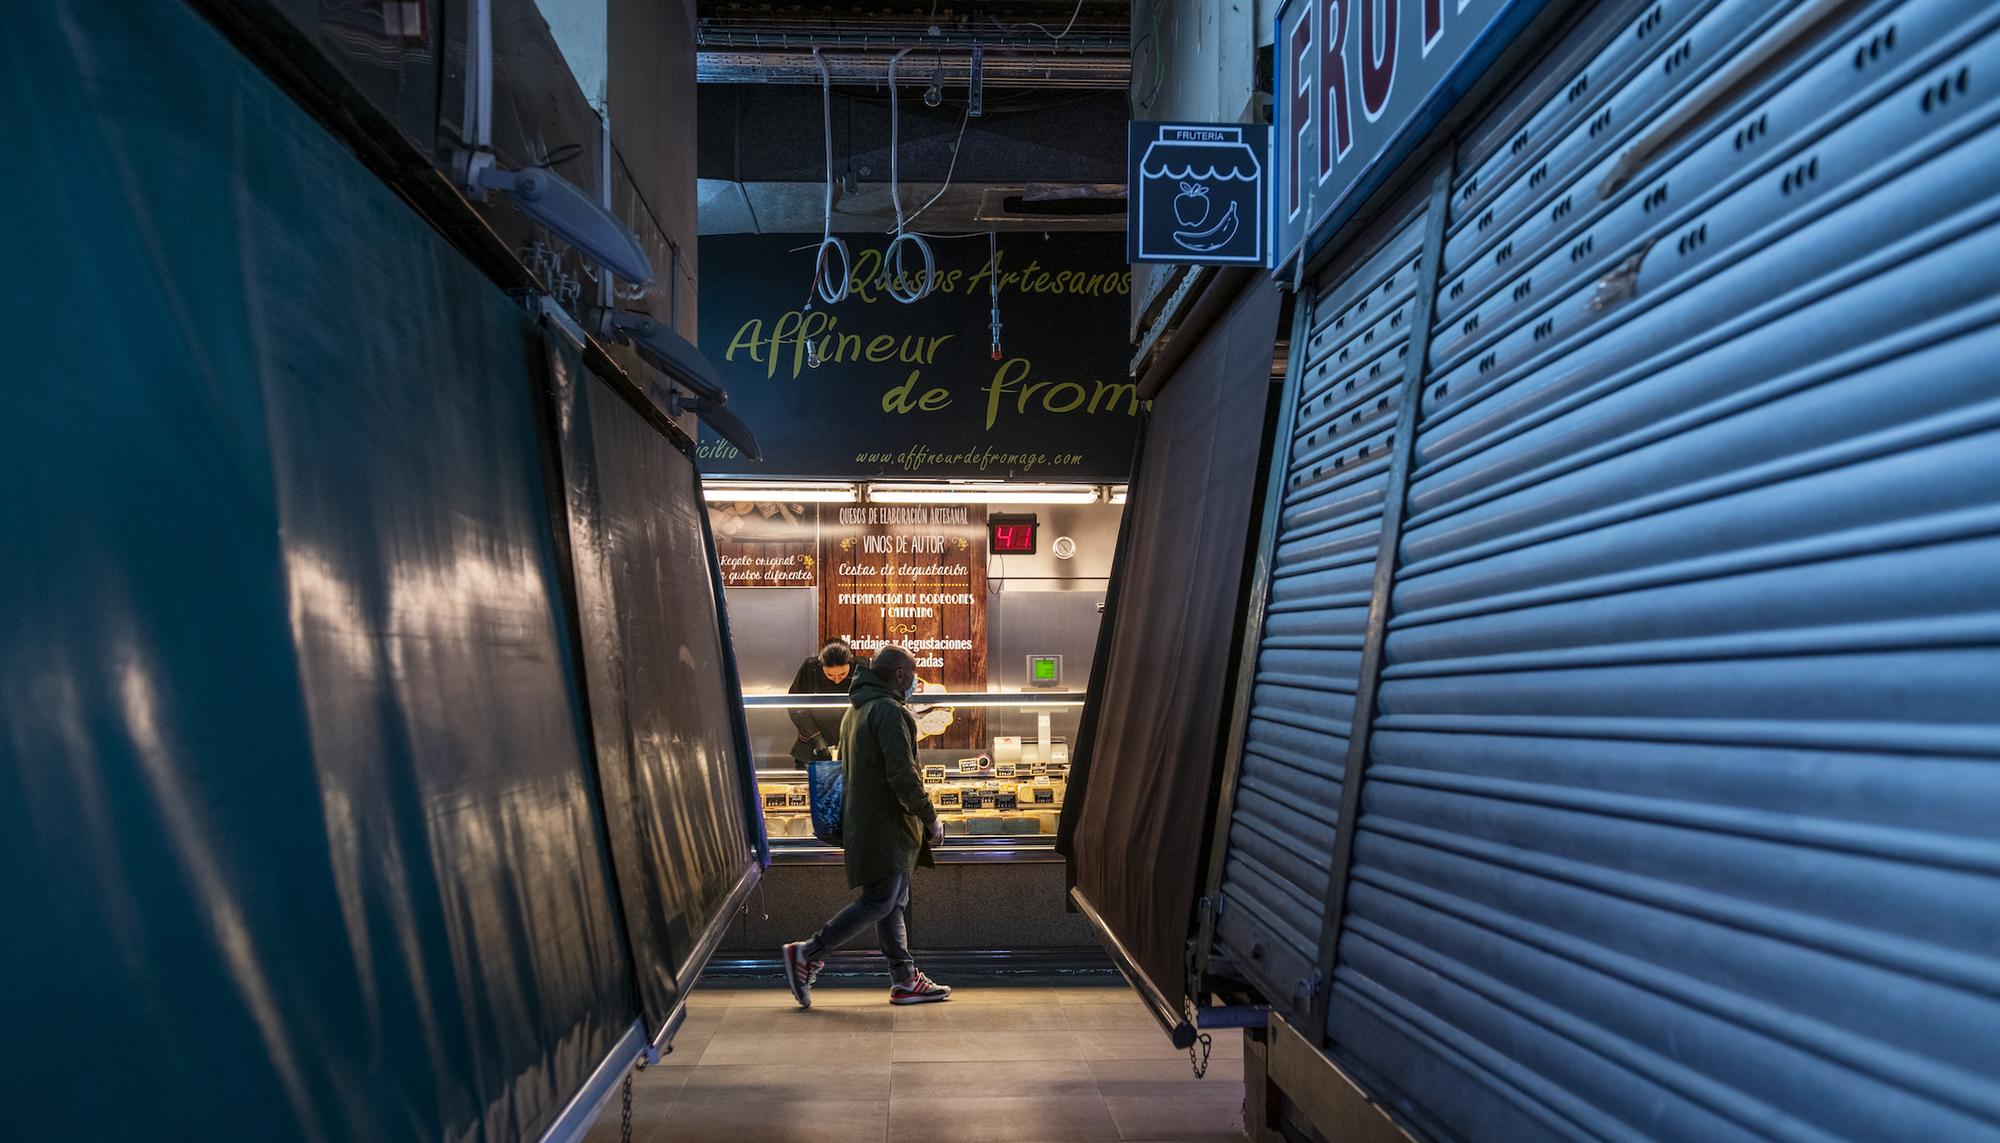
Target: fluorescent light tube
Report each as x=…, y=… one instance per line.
x=793, y=493
x=982, y=494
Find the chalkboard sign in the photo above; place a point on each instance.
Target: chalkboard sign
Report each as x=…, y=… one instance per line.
x=870, y=387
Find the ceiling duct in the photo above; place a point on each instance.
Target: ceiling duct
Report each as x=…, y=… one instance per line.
x=1036, y=143
x=794, y=208
x=1081, y=205
x=1034, y=161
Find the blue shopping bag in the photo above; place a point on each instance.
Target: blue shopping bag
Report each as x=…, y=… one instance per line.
x=828, y=787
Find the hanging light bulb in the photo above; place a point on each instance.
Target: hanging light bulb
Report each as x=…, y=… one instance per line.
x=934, y=94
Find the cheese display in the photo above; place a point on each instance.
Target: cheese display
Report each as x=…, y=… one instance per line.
x=979, y=806
x=980, y=800
x=1002, y=785
x=1040, y=792
x=787, y=825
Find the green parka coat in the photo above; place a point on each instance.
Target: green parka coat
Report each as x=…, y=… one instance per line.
x=886, y=811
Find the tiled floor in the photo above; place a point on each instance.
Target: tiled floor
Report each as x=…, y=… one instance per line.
x=991, y=1065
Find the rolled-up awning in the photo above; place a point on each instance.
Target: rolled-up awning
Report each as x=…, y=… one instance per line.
x=1199, y=161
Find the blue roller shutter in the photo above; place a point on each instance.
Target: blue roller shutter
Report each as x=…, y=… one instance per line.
x=1342, y=410
x=1680, y=813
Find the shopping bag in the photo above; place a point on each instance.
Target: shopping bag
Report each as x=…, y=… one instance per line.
x=828, y=790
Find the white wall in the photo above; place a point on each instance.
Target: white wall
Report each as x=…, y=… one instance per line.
x=582, y=30
x=1193, y=60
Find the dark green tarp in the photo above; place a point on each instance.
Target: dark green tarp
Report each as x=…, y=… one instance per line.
x=301, y=830
x=660, y=683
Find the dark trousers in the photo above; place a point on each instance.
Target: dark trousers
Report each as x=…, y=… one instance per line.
x=884, y=904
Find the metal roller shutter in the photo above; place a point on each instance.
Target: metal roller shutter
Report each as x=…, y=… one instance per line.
x=1341, y=409
x=1679, y=813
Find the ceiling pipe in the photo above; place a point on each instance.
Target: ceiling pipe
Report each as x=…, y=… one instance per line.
x=955, y=69
x=888, y=35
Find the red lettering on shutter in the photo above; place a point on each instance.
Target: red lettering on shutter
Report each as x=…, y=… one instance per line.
x=1378, y=54
x=1338, y=121
x=1433, y=23
x=1302, y=101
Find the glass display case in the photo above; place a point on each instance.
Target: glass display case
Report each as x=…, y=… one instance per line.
x=996, y=765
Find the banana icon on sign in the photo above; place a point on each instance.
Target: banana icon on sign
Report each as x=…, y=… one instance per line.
x=1214, y=238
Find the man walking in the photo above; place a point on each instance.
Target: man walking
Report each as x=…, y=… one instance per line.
x=888, y=828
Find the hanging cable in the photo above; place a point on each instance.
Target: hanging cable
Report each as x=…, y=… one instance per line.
x=829, y=294
x=1074, y=13
x=892, y=258
x=955, y=146
x=1077, y=11
x=993, y=284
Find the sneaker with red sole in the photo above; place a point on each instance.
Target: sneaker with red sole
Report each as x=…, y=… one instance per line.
x=800, y=972
x=919, y=989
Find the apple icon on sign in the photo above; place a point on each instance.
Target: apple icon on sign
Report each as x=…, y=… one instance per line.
x=1191, y=205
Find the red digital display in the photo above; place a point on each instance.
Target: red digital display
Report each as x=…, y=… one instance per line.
x=1011, y=535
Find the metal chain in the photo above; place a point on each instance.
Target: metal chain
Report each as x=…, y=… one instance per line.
x=625, y=1125
x=1198, y=1054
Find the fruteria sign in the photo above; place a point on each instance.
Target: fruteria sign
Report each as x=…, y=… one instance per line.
x=1197, y=193
x=1357, y=85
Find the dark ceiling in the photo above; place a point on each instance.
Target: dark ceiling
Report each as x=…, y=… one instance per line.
x=1012, y=114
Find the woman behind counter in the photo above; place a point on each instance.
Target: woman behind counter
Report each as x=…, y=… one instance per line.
x=828, y=673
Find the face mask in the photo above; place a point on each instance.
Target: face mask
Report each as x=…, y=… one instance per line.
x=910, y=688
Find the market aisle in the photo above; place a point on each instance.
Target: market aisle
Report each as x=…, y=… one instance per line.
x=993, y=1065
